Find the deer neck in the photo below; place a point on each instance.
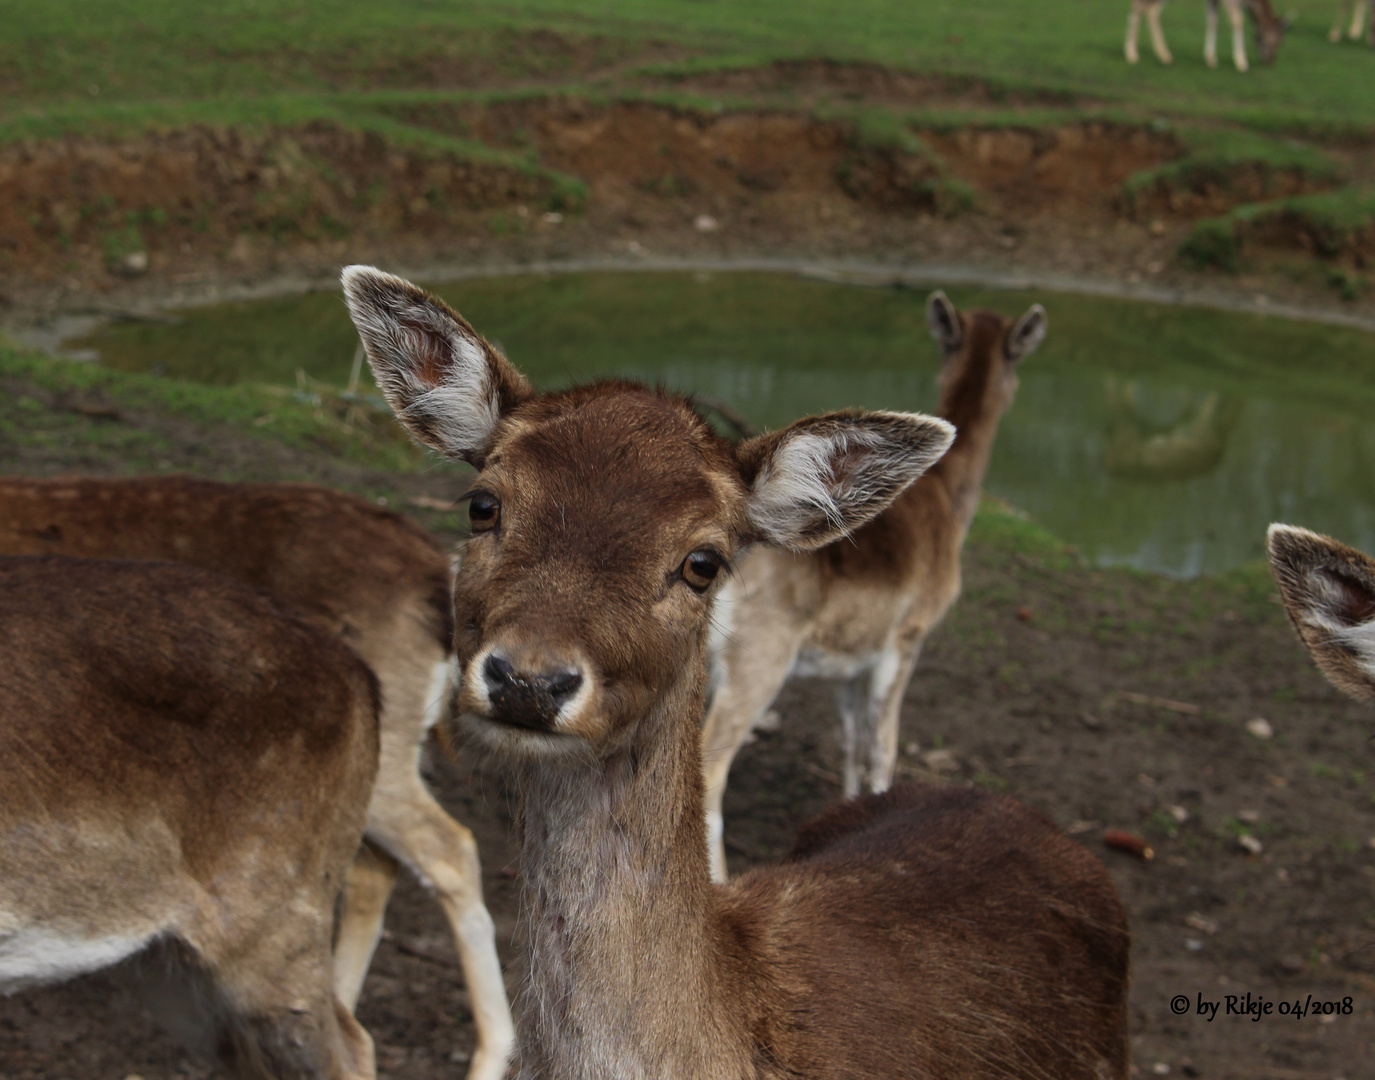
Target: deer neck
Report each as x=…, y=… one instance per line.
x=975, y=408
x=626, y=972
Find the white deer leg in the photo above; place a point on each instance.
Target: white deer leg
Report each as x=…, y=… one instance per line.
x=1210, y=35
x=1133, y=31
x=367, y=887
x=886, y=691
x=415, y=829
x=750, y=680
x=1335, y=34
x=1357, y=19
x=1162, y=51
x=850, y=701
x=1237, y=17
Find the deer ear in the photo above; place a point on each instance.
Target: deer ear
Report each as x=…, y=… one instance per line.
x=1026, y=337
x=944, y=321
x=445, y=383
x=1329, y=591
x=825, y=476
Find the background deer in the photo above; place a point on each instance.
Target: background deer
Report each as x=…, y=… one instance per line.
x=187, y=770
x=924, y=932
x=1328, y=590
x=1270, y=29
x=1354, y=10
x=858, y=612
x=375, y=580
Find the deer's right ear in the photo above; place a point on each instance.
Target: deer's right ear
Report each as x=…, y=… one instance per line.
x=1329, y=591
x=944, y=321
x=445, y=383
x=825, y=476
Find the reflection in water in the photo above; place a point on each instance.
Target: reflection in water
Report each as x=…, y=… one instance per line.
x=1165, y=438
x=1192, y=445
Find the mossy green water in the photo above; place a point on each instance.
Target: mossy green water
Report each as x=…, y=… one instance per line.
x=1162, y=437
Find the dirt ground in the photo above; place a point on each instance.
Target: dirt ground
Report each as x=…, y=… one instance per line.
x=1107, y=699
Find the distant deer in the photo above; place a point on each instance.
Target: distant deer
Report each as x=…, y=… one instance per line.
x=858, y=612
x=186, y=772
x=1355, y=11
x=375, y=580
x=1270, y=29
x=1328, y=590
x=925, y=932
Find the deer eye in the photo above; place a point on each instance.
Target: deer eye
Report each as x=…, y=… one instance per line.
x=700, y=568
x=484, y=511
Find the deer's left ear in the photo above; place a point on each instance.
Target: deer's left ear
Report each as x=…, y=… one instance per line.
x=825, y=476
x=1026, y=336
x=445, y=383
x=1329, y=591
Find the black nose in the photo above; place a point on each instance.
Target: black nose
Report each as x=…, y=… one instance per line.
x=527, y=698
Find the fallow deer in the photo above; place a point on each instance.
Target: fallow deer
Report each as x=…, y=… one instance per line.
x=920, y=933
x=187, y=773
x=1270, y=29
x=858, y=612
x=1328, y=590
x=1354, y=11
x=375, y=580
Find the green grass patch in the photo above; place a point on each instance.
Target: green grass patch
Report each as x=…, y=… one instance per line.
x=299, y=419
x=1329, y=224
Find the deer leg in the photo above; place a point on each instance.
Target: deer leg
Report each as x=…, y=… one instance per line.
x=743, y=696
x=367, y=888
x=1210, y=35
x=850, y=700
x=1335, y=34
x=1237, y=18
x=1357, y=17
x=1133, y=32
x=410, y=825
x=886, y=690
x=1162, y=51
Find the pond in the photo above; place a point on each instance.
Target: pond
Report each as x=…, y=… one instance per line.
x=1161, y=437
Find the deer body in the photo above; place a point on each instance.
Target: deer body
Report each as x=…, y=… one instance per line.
x=602, y=518
x=1269, y=30
x=369, y=577
x=858, y=612
x=188, y=770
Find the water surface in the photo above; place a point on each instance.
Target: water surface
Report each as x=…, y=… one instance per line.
x=1160, y=437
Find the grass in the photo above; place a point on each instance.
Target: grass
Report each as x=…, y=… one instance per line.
x=305, y=419
x=1333, y=223
x=153, y=52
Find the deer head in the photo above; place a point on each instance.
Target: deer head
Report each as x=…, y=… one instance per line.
x=981, y=337
x=603, y=518
x=1270, y=29
x=1328, y=590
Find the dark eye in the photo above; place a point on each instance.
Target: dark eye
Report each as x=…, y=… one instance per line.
x=484, y=511
x=700, y=569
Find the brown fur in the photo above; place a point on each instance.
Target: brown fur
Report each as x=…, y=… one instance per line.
x=369, y=576
x=859, y=611
x=191, y=765
x=882, y=948
x=1328, y=590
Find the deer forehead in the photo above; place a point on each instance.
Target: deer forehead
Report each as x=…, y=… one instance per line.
x=632, y=469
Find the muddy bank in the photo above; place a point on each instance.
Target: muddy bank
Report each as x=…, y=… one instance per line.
x=562, y=178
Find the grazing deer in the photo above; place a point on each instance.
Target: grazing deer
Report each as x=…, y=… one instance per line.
x=858, y=612
x=375, y=580
x=1355, y=11
x=187, y=772
x=1270, y=29
x=1328, y=590
x=920, y=933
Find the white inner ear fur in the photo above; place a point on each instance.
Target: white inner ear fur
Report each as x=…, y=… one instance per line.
x=462, y=409
x=1326, y=597
x=799, y=482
